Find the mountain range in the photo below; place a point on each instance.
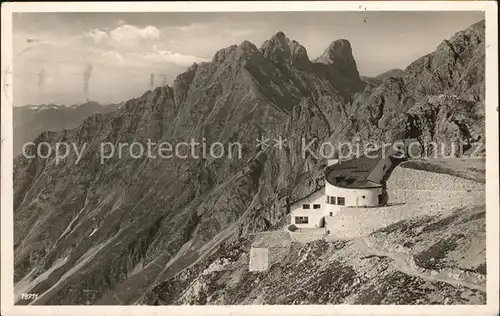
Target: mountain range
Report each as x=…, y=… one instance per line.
x=136, y=230
x=31, y=120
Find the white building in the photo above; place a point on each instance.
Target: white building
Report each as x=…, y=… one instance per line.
x=359, y=182
x=310, y=211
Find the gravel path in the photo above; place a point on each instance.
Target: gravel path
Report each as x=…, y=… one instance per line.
x=404, y=263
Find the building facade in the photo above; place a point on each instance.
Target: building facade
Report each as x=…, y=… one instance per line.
x=310, y=211
x=359, y=182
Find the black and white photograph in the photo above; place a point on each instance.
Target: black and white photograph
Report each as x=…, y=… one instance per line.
x=297, y=156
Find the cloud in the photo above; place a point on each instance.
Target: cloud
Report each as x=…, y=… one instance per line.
x=96, y=35
x=104, y=62
x=122, y=36
x=112, y=63
x=127, y=34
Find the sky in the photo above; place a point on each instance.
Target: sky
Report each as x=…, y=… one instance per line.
x=68, y=58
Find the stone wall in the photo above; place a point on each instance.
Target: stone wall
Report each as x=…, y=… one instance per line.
x=411, y=193
x=411, y=179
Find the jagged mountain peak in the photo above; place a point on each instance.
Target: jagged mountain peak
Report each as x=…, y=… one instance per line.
x=193, y=67
x=222, y=54
x=279, y=34
x=247, y=46
x=281, y=49
x=339, y=58
x=235, y=52
x=340, y=44
x=338, y=51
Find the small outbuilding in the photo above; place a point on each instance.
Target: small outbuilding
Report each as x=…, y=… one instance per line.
x=268, y=248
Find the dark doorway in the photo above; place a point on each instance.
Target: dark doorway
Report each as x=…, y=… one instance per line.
x=322, y=222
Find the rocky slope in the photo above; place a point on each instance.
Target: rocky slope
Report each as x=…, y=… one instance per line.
x=31, y=120
x=398, y=264
x=427, y=247
x=109, y=233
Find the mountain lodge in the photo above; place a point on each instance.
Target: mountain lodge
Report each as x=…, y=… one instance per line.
x=359, y=182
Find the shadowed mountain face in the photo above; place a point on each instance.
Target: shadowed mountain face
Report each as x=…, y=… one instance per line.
x=108, y=233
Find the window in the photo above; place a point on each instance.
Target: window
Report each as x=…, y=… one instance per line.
x=316, y=206
x=327, y=199
x=341, y=200
x=306, y=206
x=331, y=214
x=332, y=200
x=364, y=197
x=301, y=220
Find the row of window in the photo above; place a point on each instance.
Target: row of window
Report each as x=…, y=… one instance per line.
x=305, y=219
x=335, y=200
x=308, y=206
